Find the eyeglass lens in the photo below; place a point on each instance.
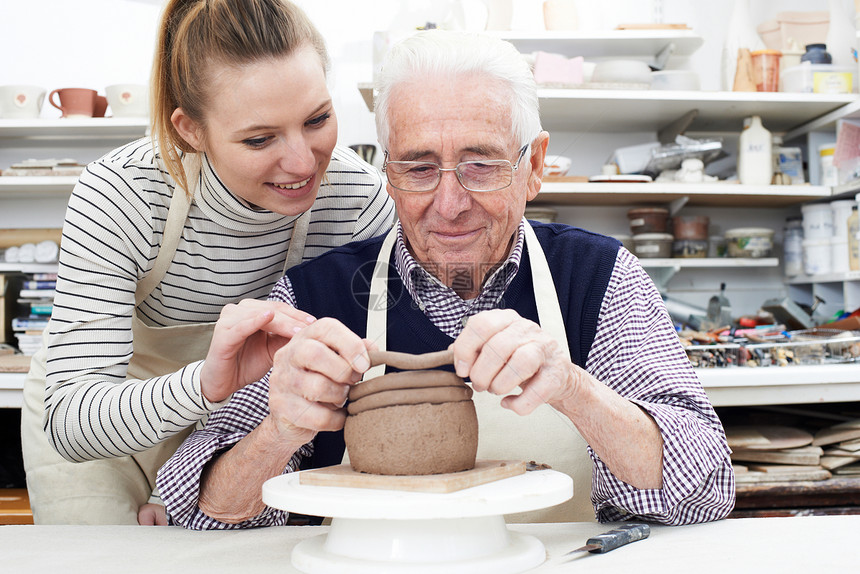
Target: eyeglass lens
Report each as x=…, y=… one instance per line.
x=488, y=175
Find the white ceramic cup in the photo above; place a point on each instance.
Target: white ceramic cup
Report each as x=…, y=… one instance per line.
x=128, y=100
x=21, y=101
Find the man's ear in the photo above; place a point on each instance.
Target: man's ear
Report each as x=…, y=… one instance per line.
x=187, y=128
x=536, y=163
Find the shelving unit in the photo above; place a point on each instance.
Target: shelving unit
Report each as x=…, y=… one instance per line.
x=609, y=43
x=619, y=111
x=704, y=194
x=661, y=271
x=19, y=187
x=73, y=130
x=750, y=386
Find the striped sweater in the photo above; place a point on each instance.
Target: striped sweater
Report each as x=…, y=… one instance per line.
x=228, y=251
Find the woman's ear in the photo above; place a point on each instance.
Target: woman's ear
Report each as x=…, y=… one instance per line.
x=187, y=128
x=536, y=163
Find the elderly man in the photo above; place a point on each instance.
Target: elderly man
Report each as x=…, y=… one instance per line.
x=563, y=324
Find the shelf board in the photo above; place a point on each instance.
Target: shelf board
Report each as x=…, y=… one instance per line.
x=610, y=43
x=591, y=111
x=27, y=186
x=28, y=267
x=74, y=128
x=826, y=122
x=745, y=386
x=624, y=111
x=708, y=262
x=12, y=390
x=826, y=278
x=702, y=194
x=731, y=386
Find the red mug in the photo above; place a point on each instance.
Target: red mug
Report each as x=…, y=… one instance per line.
x=75, y=102
x=100, y=106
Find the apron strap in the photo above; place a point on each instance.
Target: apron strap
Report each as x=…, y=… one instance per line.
x=546, y=297
x=296, y=251
x=177, y=213
x=377, y=302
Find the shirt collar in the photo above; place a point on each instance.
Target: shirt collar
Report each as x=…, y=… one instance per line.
x=418, y=281
x=231, y=211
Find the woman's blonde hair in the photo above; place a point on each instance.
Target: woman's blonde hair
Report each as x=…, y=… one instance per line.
x=198, y=35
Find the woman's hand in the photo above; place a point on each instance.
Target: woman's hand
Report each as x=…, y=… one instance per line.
x=152, y=515
x=246, y=338
x=500, y=351
x=312, y=375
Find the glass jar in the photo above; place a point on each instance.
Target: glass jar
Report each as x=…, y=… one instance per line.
x=792, y=246
x=816, y=54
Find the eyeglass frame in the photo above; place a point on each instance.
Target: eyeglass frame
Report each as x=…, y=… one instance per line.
x=456, y=170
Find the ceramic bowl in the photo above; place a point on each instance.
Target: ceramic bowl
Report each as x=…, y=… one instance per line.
x=556, y=165
x=622, y=72
x=675, y=80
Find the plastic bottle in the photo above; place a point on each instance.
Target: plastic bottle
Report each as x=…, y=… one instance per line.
x=792, y=246
x=854, y=240
x=841, y=36
x=829, y=173
x=755, y=159
x=741, y=34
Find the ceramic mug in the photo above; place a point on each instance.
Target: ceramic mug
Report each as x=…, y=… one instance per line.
x=75, y=102
x=100, y=106
x=21, y=101
x=128, y=100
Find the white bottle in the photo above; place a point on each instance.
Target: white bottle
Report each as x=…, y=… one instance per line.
x=755, y=159
x=841, y=37
x=741, y=34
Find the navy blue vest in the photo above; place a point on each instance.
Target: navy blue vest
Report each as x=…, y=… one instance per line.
x=337, y=284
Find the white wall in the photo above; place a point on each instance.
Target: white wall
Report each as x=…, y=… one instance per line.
x=95, y=43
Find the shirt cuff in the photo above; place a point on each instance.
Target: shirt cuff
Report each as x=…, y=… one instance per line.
x=698, y=481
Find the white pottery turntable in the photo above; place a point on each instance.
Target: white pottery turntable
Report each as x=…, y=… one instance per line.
x=384, y=531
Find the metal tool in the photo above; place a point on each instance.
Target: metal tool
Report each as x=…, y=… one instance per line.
x=603, y=543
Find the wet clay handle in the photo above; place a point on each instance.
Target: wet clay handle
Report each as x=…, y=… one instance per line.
x=410, y=362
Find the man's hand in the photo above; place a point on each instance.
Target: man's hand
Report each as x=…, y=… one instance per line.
x=500, y=351
x=246, y=338
x=312, y=375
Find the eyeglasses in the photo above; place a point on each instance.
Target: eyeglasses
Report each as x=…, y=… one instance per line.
x=480, y=175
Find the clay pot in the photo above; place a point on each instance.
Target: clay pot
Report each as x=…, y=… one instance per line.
x=411, y=423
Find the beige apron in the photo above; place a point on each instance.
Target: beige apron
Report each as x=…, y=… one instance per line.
x=545, y=436
x=111, y=491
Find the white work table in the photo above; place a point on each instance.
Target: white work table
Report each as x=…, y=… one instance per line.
x=807, y=544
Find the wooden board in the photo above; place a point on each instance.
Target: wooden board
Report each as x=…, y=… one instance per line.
x=804, y=455
x=835, y=434
x=485, y=471
x=832, y=462
x=14, y=363
x=766, y=437
x=754, y=477
x=18, y=237
x=782, y=468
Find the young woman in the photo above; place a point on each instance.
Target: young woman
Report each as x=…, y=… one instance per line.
x=165, y=236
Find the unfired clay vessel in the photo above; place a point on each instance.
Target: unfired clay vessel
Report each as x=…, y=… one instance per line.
x=411, y=423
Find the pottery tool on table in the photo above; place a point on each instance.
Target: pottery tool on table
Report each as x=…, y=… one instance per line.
x=603, y=543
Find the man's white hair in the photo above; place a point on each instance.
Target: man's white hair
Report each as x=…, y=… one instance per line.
x=441, y=54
